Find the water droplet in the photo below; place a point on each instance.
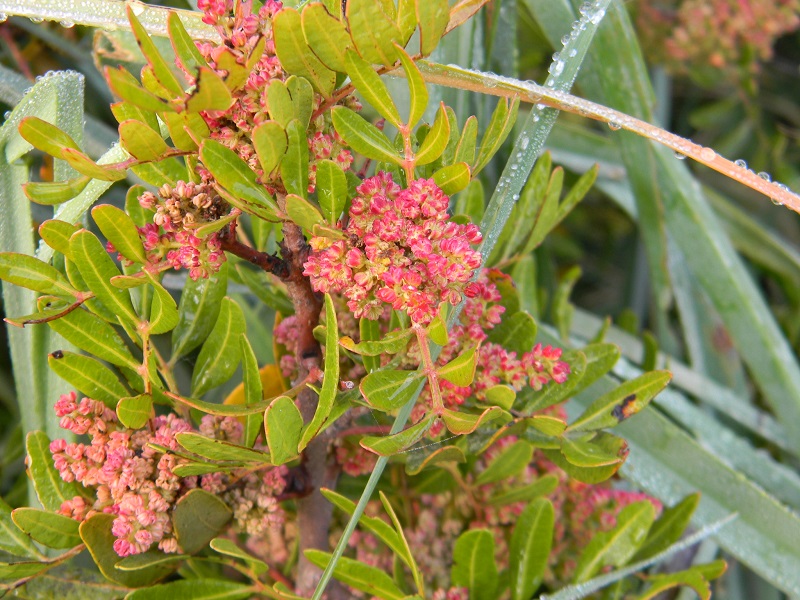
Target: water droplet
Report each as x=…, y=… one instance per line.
x=680, y=155
x=740, y=163
x=765, y=176
x=136, y=8
x=776, y=202
x=36, y=19
x=7, y=114
x=707, y=154
x=565, y=40
x=67, y=24
x=585, y=8
x=3, y=17
x=614, y=126
x=573, y=53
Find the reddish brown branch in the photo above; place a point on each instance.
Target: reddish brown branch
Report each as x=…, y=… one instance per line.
x=267, y=262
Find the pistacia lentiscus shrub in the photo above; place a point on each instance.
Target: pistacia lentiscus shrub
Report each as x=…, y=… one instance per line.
x=261, y=171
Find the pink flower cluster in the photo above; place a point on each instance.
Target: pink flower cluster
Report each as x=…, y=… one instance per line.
x=131, y=480
x=400, y=248
x=690, y=35
x=137, y=484
x=179, y=211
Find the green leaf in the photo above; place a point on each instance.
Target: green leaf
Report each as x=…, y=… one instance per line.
x=461, y=370
x=294, y=165
x=20, y=570
x=29, y=272
x=599, y=360
x=12, y=540
x=418, y=91
x=692, y=578
x=331, y=190
x=405, y=554
x=219, y=449
x=500, y=125
x=169, y=170
x=186, y=129
x=125, y=86
x=228, y=548
x=544, y=486
x=373, y=32
x=617, y=546
x=120, y=230
x=530, y=547
x=210, y=93
x=668, y=528
x=51, y=529
x=369, y=84
x=358, y=575
x=465, y=149
x=553, y=394
x=270, y=143
x=46, y=137
x=151, y=558
x=436, y=141
x=253, y=391
x=91, y=334
x=232, y=173
x=500, y=395
x=279, y=100
x=161, y=70
x=330, y=381
x=220, y=354
x=194, y=589
x=295, y=55
x=588, y=455
x=232, y=410
x=55, y=192
x=96, y=534
x=97, y=269
x=56, y=234
x=453, y=178
x=516, y=333
x=391, y=343
x=140, y=141
x=437, y=331
x=389, y=390
x=363, y=137
x=419, y=461
x=392, y=444
x=326, y=36
x=124, y=111
x=198, y=517
x=627, y=400
x=508, y=463
x=86, y=166
x=89, y=376
x=460, y=423
x=474, y=566
x=51, y=490
x=433, y=16
x=135, y=411
x=283, y=424
x=552, y=426
x=183, y=45
x=163, y=311
x=198, y=311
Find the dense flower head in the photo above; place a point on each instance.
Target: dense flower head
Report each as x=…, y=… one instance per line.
x=400, y=248
x=137, y=484
x=173, y=236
